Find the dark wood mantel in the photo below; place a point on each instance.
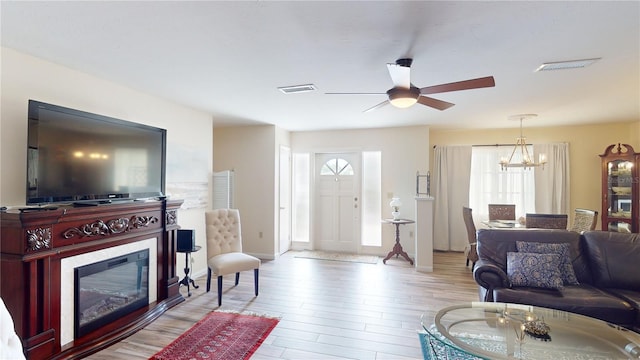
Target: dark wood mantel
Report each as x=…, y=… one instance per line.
x=32, y=245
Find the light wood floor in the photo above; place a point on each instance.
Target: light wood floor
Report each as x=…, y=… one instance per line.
x=327, y=309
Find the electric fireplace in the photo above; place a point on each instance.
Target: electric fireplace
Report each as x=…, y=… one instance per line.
x=109, y=289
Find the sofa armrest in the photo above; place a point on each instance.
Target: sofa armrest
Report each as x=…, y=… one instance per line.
x=489, y=275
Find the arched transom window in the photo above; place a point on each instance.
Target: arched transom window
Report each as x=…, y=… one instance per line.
x=336, y=166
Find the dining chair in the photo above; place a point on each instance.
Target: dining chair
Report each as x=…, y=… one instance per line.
x=224, y=248
x=547, y=221
x=470, y=249
x=584, y=220
x=502, y=211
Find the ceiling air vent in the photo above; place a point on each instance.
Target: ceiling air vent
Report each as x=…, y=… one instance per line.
x=563, y=65
x=297, y=88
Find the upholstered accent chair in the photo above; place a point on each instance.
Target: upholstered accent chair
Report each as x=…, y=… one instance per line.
x=547, y=221
x=502, y=211
x=584, y=220
x=224, y=248
x=470, y=249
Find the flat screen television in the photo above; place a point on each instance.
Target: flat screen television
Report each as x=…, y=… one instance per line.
x=79, y=157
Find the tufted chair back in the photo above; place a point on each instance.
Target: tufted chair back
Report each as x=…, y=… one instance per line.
x=223, y=232
x=584, y=220
x=224, y=249
x=502, y=211
x=547, y=221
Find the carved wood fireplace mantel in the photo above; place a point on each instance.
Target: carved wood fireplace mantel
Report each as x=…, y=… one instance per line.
x=33, y=244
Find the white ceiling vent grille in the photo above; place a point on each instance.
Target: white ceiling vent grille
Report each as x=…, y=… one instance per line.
x=297, y=88
x=563, y=65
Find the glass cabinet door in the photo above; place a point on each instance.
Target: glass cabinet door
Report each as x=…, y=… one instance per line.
x=619, y=194
x=620, y=189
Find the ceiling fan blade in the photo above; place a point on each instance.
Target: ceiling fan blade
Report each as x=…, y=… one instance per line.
x=434, y=103
x=384, y=103
x=460, y=85
x=400, y=75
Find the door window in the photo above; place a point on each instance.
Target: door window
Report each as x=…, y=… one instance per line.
x=336, y=166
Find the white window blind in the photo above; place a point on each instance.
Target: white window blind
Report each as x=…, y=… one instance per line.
x=223, y=189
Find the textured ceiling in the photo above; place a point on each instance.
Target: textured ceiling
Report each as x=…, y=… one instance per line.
x=229, y=58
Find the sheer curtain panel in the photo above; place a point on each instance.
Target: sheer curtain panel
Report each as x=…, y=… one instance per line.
x=552, y=183
x=492, y=185
x=452, y=172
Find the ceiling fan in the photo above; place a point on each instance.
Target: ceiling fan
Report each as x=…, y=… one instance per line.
x=404, y=94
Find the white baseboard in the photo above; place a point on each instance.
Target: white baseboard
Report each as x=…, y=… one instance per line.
x=425, y=269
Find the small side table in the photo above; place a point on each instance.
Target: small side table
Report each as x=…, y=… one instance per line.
x=397, y=248
x=187, y=262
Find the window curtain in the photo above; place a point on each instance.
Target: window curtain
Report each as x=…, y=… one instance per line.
x=552, y=183
x=492, y=185
x=452, y=173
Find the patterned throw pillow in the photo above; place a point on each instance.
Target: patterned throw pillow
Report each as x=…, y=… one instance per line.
x=562, y=249
x=535, y=270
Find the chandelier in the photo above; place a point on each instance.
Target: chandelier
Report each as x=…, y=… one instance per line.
x=526, y=161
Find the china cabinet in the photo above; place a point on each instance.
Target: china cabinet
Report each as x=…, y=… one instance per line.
x=620, y=188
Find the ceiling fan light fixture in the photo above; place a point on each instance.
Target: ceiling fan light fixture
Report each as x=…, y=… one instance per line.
x=403, y=98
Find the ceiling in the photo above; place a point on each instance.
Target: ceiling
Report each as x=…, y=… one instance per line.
x=228, y=58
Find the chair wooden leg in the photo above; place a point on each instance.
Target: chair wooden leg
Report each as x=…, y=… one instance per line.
x=237, y=278
x=219, y=290
x=467, y=261
x=208, y=279
x=255, y=279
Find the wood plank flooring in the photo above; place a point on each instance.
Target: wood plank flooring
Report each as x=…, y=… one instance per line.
x=327, y=309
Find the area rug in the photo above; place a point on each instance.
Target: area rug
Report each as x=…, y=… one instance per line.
x=220, y=336
x=334, y=256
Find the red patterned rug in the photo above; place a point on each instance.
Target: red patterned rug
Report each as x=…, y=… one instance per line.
x=220, y=336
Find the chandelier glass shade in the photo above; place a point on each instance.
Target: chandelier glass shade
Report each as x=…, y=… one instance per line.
x=521, y=148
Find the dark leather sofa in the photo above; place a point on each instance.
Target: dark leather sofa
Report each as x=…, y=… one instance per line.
x=606, y=265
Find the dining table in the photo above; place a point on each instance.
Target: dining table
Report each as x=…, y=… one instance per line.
x=503, y=224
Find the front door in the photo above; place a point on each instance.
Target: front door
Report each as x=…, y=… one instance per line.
x=337, y=202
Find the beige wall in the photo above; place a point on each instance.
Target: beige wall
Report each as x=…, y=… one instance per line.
x=25, y=77
x=251, y=152
x=405, y=150
x=282, y=139
x=586, y=142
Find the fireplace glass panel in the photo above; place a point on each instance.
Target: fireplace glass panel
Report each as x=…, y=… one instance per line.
x=110, y=289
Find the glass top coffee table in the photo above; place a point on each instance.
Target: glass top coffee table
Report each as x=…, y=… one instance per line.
x=513, y=331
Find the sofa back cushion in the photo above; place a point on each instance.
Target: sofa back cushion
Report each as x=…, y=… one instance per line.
x=494, y=244
x=534, y=270
x=614, y=259
x=561, y=249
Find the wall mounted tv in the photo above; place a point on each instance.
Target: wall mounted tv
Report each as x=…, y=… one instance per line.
x=83, y=158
